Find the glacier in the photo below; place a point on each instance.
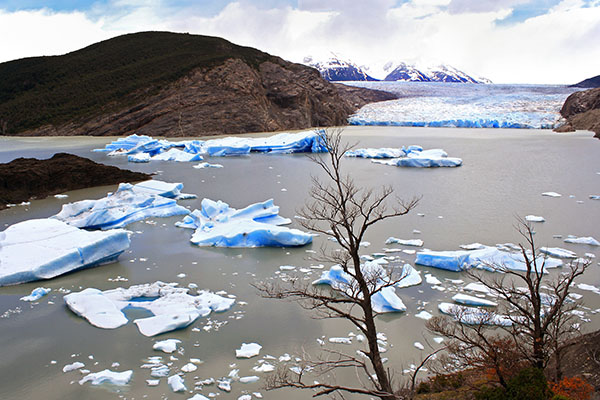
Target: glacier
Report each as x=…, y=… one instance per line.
x=489, y=258
x=383, y=301
x=145, y=148
x=45, y=248
x=257, y=225
x=128, y=204
x=434, y=104
x=172, y=307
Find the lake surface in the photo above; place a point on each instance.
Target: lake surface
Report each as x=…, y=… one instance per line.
x=503, y=176
x=464, y=105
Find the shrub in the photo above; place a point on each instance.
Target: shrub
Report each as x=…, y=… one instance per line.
x=572, y=388
x=527, y=384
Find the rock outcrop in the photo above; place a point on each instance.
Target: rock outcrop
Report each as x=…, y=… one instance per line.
x=582, y=111
x=28, y=178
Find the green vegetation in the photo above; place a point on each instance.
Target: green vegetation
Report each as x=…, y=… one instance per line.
x=107, y=76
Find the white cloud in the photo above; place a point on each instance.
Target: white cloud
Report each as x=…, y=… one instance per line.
x=557, y=47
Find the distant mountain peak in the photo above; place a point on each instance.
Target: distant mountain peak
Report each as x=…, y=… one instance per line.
x=439, y=73
x=336, y=68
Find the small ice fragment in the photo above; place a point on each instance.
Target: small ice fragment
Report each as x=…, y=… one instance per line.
x=73, y=367
x=284, y=190
x=591, y=288
x=419, y=346
x=181, y=275
x=115, y=378
x=189, y=367
x=558, y=252
x=472, y=301
x=575, y=296
x=176, y=382
x=196, y=361
x=160, y=371
x=578, y=240
x=36, y=294
x=534, y=218
x=152, y=382
x=404, y=242
x=61, y=196
x=168, y=345
x=224, y=384
x=432, y=280
x=264, y=367
x=340, y=340
x=594, y=196
x=438, y=340
x=245, y=397
x=472, y=246
x=248, y=350
x=478, y=287
x=287, y=267
x=249, y=379
x=424, y=315
x=198, y=396
x=551, y=194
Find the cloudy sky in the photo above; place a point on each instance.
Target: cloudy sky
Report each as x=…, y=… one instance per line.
x=508, y=41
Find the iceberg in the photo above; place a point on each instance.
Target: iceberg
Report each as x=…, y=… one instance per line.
x=558, y=252
x=164, y=189
x=176, y=155
x=125, y=206
x=218, y=224
x=383, y=301
x=167, y=345
x=176, y=383
x=582, y=240
x=248, y=350
x=410, y=277
x=473, y=315
x=172, y=307
x=36, y=294
x=423, y=159
x=45, y=248
x=472, y=300
x=489, y=258
x=108, y=376
x=384, y=152
x=405, y=242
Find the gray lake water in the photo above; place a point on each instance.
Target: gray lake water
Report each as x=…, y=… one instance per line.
x=503, y=176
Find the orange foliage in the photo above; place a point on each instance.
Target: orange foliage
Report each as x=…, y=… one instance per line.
x=573, y=388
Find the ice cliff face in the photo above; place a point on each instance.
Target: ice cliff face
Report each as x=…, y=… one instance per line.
x=336, y=69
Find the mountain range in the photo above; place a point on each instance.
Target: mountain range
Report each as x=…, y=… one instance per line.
x=336, y=68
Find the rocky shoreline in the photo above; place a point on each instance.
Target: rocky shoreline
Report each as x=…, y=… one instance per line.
x=582, y=111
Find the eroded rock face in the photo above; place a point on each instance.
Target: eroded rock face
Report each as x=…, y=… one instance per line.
x=228, y=99
x=26, y=178
x=582, y=111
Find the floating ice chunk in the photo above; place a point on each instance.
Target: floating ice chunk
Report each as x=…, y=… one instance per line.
x=198, y=396
x=44, y=248
x=405, y=242
x=189, y=367
x=118, y=209
x=534, y=218
x=257, y=225
x=472, y=300
x=249, y=379
x=164, y=189
x=245, y=397
x=264, y=367
x=419, y=345
x=172, y=307
x=248, y=350
x=432, y=280
x=582, y=240
x=61, y=196
x=287, y=267
x=167, y=346
x=450, y=260
x=153, y=382
x=551, y=194
x=385, y=152
x=139, y=158
x=558, y=252
x=594, y=196
x=73, y=366
x=340, y=340
x=108, y=376
x=472, y=246
x=36, y=294
x=177, y=384
x=160, y=371
x=424, y=159
x=385, y=300
x=478, y=287
x=410, y=277
x=591, y=288
x=311, y=141
x=207, y=165
x=424, y=315
x=473, y=315
x=176, y=155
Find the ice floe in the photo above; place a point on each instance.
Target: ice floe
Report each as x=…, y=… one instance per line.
x=218, y=224
x=167, y=345
x=161, y=188
x=410, y=277
x=534, y=218
x=44, y=248
x=558, y=252
x=133, y=146
x=423, y=159
x=108, y=376
x=36, y=294
x=405, y=242
x=72, y=367
x=248, y=350
x=424, y=315
x=176, y=383
x=207, y=165
x=582, y=240
x=472, y=300
x=128, y=204
x=551, y=194
x=385, y=300
x=172, y=307
x=473, y=315
x=490, y=258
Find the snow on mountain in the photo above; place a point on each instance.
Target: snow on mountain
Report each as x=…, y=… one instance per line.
x=337, y=69
x=440, y=73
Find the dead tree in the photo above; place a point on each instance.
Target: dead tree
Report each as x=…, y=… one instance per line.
x=537, y=309
x=340, y=209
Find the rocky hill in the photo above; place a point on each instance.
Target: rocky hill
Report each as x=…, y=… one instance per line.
x=589, y=83
x=166, y=84
x=582, y=111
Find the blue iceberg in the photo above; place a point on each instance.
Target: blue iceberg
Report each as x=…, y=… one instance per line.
x=384, y=301
x=489, y=258
x=171, y=307
x=419, y=158
x=45, y=248
x=121, y=208
x=258, y=225
x=384, y=152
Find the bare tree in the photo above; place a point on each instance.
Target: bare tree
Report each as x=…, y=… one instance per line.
x=536, y=311
x=340, y=209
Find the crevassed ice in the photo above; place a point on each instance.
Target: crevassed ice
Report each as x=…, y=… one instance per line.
x=122, y=207
x=45, y=248
x=172, y=307
x=134, y=146
x=218, y=224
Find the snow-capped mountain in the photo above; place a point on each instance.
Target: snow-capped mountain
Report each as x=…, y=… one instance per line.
x=336, y=69
x=441, y=73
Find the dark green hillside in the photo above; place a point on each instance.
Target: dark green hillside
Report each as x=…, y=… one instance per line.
x=105, y=76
